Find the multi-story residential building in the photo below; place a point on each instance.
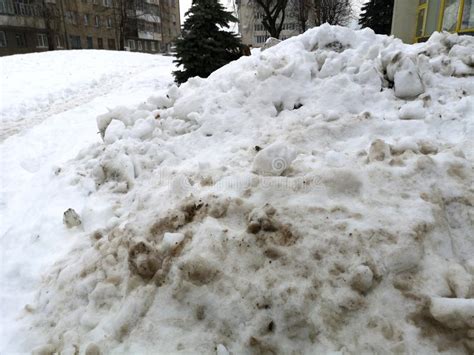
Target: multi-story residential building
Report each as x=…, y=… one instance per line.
x=40, y=25
x=415, y=20
x=251, y=28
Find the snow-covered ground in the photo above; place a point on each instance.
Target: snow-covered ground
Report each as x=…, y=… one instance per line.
x=316, y=197
x=48, y=107
x=37, y=86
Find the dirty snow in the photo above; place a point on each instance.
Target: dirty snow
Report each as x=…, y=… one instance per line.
x=36, y=138
x=316, y=197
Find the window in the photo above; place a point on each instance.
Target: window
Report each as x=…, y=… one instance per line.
x=261, y=39
x=420, y=23
x=109, y=22
x=457, y=15
x=139, y=44
x=450, y=15
x=86, y=19
x=3, y=39
x=20, y=40
x=153, y=47
x=111, y=43
x=100, y=43
x=107, y=3
x=58, y=42
x=97, y=21
x=75, y=42
x=131, y=44
x=71, y=17
x=468, y=15
x=41, y=40
x=421, y=18
x=90, y=42
x=259, y=27
x=7, y=7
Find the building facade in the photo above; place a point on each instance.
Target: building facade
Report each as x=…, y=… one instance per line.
x=171, y=28
x=22, y=27
x=415, y=20
x=251, y=28
x=40, y=25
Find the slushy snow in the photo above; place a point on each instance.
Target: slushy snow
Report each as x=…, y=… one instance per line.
x=316, y=197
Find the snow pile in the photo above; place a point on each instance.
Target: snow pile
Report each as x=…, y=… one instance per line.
x=312, y=198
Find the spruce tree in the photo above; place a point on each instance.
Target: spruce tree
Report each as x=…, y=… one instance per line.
x=377, y=14
x=205, y=46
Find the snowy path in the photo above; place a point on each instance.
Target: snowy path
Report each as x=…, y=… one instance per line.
x=39, y=114
x=35, y=139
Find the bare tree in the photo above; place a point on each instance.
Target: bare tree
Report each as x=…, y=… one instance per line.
x=274, y=12
x=334, y=12
x=122, y=9
x=300, y=9
x=53, y=20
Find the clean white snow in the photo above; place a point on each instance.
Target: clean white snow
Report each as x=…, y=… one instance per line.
x=40, y=85
x=316, y=197
x=49, y=103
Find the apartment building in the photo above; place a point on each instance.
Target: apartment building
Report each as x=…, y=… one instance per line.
x=39, y=25
x=251, y=28
x=415, y=20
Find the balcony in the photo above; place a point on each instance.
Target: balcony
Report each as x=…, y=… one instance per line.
x=9, y=7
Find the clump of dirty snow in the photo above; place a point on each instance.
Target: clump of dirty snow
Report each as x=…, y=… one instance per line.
x=311, y=198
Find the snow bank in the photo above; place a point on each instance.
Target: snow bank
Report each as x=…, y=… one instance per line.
x=356, y=243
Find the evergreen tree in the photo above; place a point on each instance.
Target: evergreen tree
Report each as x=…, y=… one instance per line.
x=377, y=14
x=205, y=46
